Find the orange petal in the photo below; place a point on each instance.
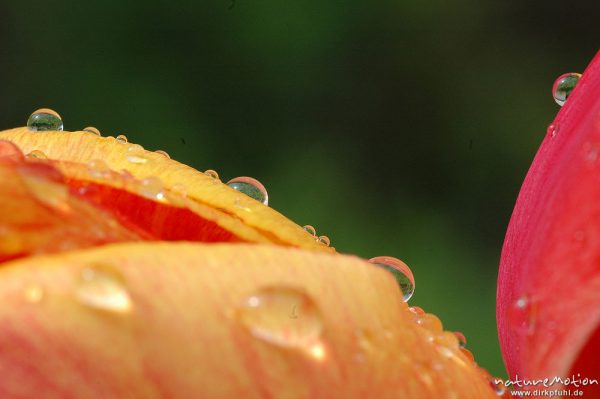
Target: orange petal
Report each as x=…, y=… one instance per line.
x=157, y=320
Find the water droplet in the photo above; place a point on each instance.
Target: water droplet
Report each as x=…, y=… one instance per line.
x=9, y=151
x=135, y=154
x=416, y=310
x=285, y=317
x=102, y=287
x=37, y=154
x=401, y=271
x=152, y=187
x=44, y=119
x=93, y=130
x=121, y=138
x=462, y=340
x=563, y=87
x=310, y=230
x=552, y=130
x=430, y=322
x=238, y=204
x=522, y=314
x=98, y=168
x=497, y=385
x=324, y=240
x=212, y=174
x=163, y=153
x=468, y=354
x=447, y=339
x=34, y=294
x=251, y=187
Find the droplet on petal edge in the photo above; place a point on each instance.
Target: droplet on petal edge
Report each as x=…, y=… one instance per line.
x=251, y=187
x=37, y=154
x=163, y=153
x=104, y=288
x=324, y=240
x=121, y=138
x=135, y=155
x=212, y=174
x=310, y=230
x=93, y=130
x=152, y=188
x=44, y=119
x=284, y=317
x=552, y=130
x=401, y=272
x=462, y=340
x=563, y=87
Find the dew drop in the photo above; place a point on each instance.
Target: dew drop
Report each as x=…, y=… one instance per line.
x=93, y=130
x=34, y=294
x=98, y=168
x=468, y=354
x=44, y=119
x=152, y=188
x=563, y=87
x=284, y=317
x=447, y=339
x=212, y=174
x=102, y=287
x=430, y=322
x=552, y=130
x=497, y=385
x=416, y=310
x=37, y=154
x=310, y=230
x=462, y=340
x=135, y=154
x=251, y=187
x=324, y=240
x=522, y=314
x=121, y=138
x=401, y=272
x=163, y=153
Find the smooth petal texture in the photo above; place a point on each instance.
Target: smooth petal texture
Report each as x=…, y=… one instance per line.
x=83, y=147
x=548, y=302
x=184, y=336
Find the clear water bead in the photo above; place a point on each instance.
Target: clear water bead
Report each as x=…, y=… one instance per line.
x=324, y=240
x=212, y=174
x=401, y=272
x=285, y=317
x=93, y=130
x=563, y=87
x=121, y=138
x=251, y=187
x=163, y=153
x=310, y=230
x=44, y=119
x=102, y=287
x=37, y=154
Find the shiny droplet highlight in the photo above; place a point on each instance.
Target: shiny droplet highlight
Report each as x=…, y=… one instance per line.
x=462, y=340
x=401, y=272
x=121, y=138
x=212, y=174
x=564, y=86
x=103, y=287
x=152, y=187
x=93, y=130
x=251, y=187
x=552, y=130
x=44, y=119
x=285, y=317
x=136, y=155
x=324, y=240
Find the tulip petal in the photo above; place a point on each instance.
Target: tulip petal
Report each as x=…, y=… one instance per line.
x=183, y=321
x=548, y=300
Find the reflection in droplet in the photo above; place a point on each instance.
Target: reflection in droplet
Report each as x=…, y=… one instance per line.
x=44, y=119
x=103, y=287
x=462, y=340
x=285, y=317
x=93, y=130
x=401, y=272
x=563, y=87
x=251, y=187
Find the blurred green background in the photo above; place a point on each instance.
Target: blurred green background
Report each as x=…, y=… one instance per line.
x=400, y=128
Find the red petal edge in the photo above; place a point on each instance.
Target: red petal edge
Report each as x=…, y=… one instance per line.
x=548, y=299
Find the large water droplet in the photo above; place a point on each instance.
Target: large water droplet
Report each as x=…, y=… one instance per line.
x=285, y=317
x=563, y=87
x=401, y=271
x=310, y=230
x=251, y=187
x=93, y=130
x=103, y=287
x=152, y=187
x=44, y=119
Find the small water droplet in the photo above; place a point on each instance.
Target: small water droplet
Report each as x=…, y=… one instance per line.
x=401, y=272
x=563, y=87
x=552, y=130
x=522, y=314
x=34, y=294
x=98, y=168
x=212, y=174
x=135, y=154
x=462, y=340
x=268, y=313
x=310, y=230
x=121, y=138
x=324, y=240
x=251, y=187
x=468, y=354
x=163, y=153
x=102, y=287
x=44, y=119
x=430, y=322
x=497, y=385
x=152, y=187
x=447, y=339
x=93, y=130
x=37, y=154
x=416, y=310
